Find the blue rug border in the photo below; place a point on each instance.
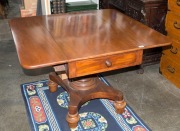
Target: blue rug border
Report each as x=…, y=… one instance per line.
x=29, y=115
x=27, y=110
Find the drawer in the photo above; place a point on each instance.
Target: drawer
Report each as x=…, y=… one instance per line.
x=174, y=51
x=173, y=23
x=174, y=5
x=170, y=70
x=173, y=35
x=105, y=63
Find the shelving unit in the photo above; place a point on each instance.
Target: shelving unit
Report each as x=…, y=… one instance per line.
x=80, y=6
x=46, y=5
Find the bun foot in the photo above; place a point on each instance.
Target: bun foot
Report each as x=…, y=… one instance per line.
x=119, y=106
x=72, y=120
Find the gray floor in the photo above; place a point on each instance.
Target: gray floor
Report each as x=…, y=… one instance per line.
x=152, y=97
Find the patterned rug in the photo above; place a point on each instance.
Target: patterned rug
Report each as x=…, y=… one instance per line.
x=47, y=112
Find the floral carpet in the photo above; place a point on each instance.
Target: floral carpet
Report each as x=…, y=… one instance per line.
x=47, y=111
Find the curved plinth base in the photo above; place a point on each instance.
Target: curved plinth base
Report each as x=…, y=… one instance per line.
x=85, y=90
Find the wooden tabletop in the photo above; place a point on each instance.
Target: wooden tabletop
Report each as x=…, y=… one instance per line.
x=43, y=41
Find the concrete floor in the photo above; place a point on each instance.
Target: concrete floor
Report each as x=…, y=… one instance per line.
x=152, y=97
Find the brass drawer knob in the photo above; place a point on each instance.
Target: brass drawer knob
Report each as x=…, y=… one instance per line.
x=170, y=69
x=178, y=2
x=176, y=25
x=174, y=51
x=108, y=63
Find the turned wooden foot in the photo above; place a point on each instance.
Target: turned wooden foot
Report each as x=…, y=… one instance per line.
x=119, y=106
x=72, y=120
x=52, y=86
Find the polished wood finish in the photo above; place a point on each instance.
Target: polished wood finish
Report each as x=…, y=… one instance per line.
x=174, y=6
x=173, y=23
x=171, y=70
x=83, y=43
x=56, y=39
x=173, y=52
x=169, y=65
x=105, y=63
x=149, y=12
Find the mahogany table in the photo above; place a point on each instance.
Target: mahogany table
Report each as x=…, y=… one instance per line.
x=82, y=44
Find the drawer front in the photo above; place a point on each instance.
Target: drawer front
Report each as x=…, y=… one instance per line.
x=173, y=35
x=102, y=64
x=173, y=52
x=170, y=70
x=173, y=23
x=174, y=5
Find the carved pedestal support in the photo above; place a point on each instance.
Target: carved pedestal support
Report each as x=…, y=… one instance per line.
x=82, y=90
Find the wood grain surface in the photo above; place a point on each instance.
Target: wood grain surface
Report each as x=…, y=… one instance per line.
x=43, y=41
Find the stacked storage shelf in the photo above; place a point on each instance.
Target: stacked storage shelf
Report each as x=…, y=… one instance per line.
x=57, y=6
x=64, y=6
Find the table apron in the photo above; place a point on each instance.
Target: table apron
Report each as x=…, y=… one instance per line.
x=103, y=64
